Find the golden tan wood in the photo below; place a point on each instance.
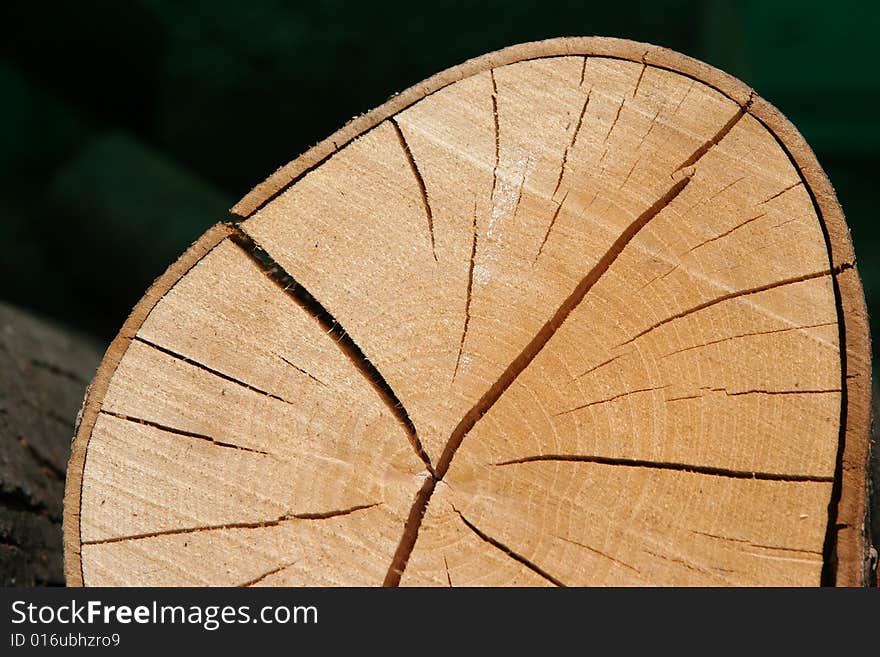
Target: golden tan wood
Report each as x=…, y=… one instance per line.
x=594, y=524
x=580, y=312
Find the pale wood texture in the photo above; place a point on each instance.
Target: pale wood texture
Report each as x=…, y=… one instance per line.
x=580, y=312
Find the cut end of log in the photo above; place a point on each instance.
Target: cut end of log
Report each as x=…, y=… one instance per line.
x=579, y=312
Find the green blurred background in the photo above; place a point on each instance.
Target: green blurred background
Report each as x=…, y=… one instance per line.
x=128, y=128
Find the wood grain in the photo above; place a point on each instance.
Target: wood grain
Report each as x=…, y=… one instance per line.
x=579, y=312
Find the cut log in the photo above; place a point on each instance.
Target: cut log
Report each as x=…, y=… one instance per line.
x=578, y=312
x=43, y=375
x=874, y=487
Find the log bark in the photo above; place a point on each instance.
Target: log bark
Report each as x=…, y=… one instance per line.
x=43, y=376
x=578, y=312
x=874, y=489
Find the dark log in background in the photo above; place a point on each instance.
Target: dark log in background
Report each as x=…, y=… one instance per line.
x=874, y=483
x=44, y=372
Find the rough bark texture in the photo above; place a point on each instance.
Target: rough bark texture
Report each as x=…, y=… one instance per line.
x=43, y=376
x=874, y=486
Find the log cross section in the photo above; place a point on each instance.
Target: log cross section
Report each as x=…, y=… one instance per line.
x=578, y=312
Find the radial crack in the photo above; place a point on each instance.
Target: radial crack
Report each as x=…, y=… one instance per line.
x=773, y=392
x=410, y=533
x=599, y=366
x=550, y=225
x=673, y=399
x=522, y=185
x=718, y=136
x=263, y=524
x=209, y=370
x=747, y=335
x=781, y=192
x=506, y=550
x=609, y=399
x=599, y=553
x=667, y=465
x=268, y=573
x=726, y=233
x=613, y=123
x=647, y=134
x=639, y=81
x=181, y=432
x=720, y=537
x=497, y=133
x=780, y=548
x=630, y=172
x=324, y=515
x=726, y=187
x=335, y=330
x=682, y=562
x=190, y=530
x=574, y=136
x=420, y=180
x=469, y=292
x=302, y=371
x=684, y=96
x=726, y=297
